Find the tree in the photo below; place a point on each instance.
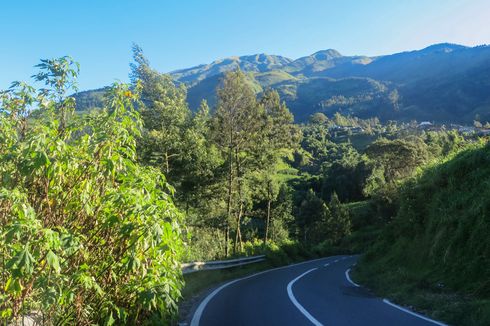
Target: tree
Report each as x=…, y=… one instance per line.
x=267, y=189
x=278, y=136
x=338, y=222
x=318, y=118
x=280, y=131
x=347, y=177
x=399, y=158
x=165, y=115
x=89, y=236
x=311, y=212
x=237, y=125
x=199, y=161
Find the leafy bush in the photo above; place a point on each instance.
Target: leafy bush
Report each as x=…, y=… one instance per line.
x=87, y=235
x=276, y=256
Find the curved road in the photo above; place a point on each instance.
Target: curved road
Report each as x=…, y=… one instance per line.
x=316, y=292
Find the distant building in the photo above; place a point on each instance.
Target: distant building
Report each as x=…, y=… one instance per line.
x=466, y=130
x=484, y=132
x=425, y=124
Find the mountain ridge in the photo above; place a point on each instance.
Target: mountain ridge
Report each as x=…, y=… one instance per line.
x=431, y=83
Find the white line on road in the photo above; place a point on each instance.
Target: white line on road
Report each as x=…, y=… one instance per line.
x=200, y=309
x=297, y=304
x=349, y=279
x=327, y=264
x=336, y=261
x=413, y=313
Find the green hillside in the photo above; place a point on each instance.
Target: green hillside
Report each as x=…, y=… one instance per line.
x=435, y=254
x=250, y=63
x=90, y=99
x=363, y=97
x=442, y=83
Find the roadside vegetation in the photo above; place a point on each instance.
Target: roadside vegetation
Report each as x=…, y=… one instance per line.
x=88, y=235
x=434, y=254
x=99, y=208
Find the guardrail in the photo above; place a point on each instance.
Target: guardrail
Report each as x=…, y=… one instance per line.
x=219, y=264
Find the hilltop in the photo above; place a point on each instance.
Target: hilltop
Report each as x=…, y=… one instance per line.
x=443, y=82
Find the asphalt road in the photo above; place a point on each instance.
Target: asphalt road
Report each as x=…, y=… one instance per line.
x=317, y=292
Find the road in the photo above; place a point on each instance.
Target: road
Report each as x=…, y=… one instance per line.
x=317, y=292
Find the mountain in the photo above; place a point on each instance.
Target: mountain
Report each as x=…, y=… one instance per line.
x=443, y=82
x=90, y=99
x=253, y=63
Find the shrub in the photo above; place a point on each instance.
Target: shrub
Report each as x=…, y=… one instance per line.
x=87, y=235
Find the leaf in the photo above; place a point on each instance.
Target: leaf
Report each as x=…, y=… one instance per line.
x=41, y=159
x=13, y=285
x=110, y=320
x=22, y=262
x=53, y=261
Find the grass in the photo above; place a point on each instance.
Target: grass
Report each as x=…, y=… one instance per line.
x=406, y=288
x=434, y=255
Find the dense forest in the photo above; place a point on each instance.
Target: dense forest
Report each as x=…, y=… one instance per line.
x=98, y=208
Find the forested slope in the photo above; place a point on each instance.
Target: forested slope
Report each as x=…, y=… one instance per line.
x=439, y=243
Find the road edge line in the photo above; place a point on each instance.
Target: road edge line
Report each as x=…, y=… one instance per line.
x=388, y=302
x=349, y=279
x=297, y=304
x=200, y=309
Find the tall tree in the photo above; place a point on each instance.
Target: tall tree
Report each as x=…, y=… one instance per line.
x=338, y=223
x=238, y=125
x=165, y=115
x=279, y=136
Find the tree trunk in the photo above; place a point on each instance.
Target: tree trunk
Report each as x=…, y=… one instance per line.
x=227, y=237
x=267, y=221
x=238, y=236
x=167, y=165
x=228, y=209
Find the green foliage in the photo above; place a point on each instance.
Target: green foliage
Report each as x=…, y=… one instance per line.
x=444, y=82
x=87, y=234
x=164, y=112
x=250, y=135
x=400, y=157
x=224, y=164
x=438, y=243
x=338, y=223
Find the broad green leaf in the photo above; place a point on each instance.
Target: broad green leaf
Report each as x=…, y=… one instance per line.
x=53, y=261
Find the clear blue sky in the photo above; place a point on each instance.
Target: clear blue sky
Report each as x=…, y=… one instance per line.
x=181, y=33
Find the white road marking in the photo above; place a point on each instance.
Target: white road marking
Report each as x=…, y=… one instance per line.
x=349, y=279
x=327, y=264
x=336, y=261
x=297, y=304
x=200, y=309
x=413, y=313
